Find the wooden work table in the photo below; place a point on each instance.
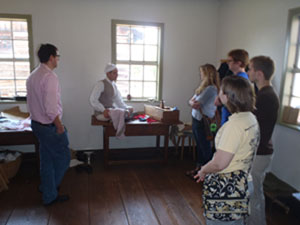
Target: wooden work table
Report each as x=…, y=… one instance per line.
x=13, y=137
x=134, y=128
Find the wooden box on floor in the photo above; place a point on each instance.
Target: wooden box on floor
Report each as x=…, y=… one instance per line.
x=11, y=168
x=3, y=179
x=165, y=115
x=290, y=115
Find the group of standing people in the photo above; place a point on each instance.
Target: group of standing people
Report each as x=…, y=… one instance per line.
x=243, y=143
x=233, y=176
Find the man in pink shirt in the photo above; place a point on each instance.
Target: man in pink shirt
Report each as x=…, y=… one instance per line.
x=44, y=105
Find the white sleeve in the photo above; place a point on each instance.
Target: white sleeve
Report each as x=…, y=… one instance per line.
x=94, y=98
x=118, y=101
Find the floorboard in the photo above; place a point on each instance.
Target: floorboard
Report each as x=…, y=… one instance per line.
x=136, y=202
x=127, y=194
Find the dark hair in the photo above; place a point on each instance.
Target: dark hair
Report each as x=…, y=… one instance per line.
x=240, y=55
x=240, y=94
x=264, y=64
x=45, y=51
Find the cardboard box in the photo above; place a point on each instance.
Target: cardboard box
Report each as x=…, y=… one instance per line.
x=290, y=115
x=165, y=115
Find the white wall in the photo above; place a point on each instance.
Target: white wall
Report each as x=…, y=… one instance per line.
x=82, y=32
x=259, y=26
x=196, y=32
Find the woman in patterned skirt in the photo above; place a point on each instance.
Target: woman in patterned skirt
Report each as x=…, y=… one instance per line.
x=225, y=187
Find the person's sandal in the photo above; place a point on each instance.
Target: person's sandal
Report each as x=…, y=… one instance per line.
x=192, y=173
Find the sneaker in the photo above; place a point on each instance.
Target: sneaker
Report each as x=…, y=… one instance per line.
x=59, y=198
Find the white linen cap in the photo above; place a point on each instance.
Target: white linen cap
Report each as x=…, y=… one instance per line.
x=109, y=67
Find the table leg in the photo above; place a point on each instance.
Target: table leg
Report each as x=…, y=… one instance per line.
x=166, y=147
x=158, y=141
x=105, y=147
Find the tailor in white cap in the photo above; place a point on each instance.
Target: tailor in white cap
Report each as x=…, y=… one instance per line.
x=109, y=67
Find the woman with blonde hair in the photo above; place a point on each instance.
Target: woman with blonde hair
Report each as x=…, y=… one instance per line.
x=202, y=102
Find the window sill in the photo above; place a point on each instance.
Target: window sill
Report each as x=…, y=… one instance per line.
x=12, y=101
x=292, y=126
x=141, y=101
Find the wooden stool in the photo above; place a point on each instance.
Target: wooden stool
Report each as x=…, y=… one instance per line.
x=181, y=135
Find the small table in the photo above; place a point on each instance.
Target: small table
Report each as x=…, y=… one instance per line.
x=134, y=128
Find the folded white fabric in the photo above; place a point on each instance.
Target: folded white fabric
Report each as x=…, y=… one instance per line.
x=118, y=118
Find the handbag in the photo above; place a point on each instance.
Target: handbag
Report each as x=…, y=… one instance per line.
x=226, y=196
x=211, y=125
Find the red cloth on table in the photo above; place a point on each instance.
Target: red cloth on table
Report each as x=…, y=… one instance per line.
x=143, y=116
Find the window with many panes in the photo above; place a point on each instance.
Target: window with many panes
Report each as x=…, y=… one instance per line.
x=137, y=53
x=291, y=81
x=15, y=54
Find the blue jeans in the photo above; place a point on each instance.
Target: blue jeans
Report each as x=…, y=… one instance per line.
x=204, y=151
x=54, y=158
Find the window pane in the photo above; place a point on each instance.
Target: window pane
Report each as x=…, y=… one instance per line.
x=136, y=72
x=150, y=53
x=6, y=70
x=21, y=87
x=123, y=87
x=150, y=89
x=123, y=72
x=296, y=85
x=7, y=88
x=123, y=39
x=22, y=70
x=122, y=52
x=123, y=30
x=151, y=35
x=136, y=89
x=137, y=35
x=20, y=30
x=5, y=30
x=295, y=102
x=6, y=49
x=123, y=34
x=150, y=73
x=21, y=49
x=137, y=53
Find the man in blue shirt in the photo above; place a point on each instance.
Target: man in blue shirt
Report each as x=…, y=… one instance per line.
x=237, y=61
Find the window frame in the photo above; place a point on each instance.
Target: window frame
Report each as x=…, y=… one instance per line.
x=290, y=65
x=114, y=23
x=28, y=19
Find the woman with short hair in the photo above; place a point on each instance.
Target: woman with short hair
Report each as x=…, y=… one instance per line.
x=225, y=188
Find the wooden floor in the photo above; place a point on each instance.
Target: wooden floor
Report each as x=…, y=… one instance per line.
x=121, y=195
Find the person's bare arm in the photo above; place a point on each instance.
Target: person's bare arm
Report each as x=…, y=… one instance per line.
x=219, y=162
x=217, y=101
x=106, y=113
x=194, y=104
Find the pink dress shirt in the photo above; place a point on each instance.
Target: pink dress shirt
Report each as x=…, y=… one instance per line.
x=43, y=95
